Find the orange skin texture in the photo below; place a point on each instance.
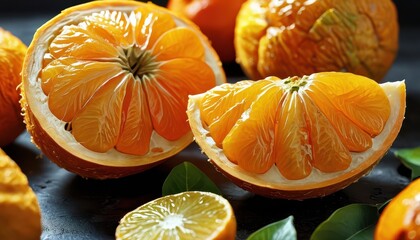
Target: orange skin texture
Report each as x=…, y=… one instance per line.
x=215, y=18
x=398, y=220
x=296, y=38
x=12, y=52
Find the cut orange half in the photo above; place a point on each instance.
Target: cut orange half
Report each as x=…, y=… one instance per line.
x=106, y=85
x=297, y=138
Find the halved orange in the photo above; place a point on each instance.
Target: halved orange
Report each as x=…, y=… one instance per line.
x=186, y=215
x=400, y=218
x=106, y=85
x=20, y=215
x=297, y=137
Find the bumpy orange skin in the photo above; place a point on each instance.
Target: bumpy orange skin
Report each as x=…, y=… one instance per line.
x=300, y=37
x=20, y=215
x=399, y=220
x=12, y=52
x=80, y=163
x=216, y=19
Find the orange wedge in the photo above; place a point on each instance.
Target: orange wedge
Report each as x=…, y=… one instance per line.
x=297, y=137
x=187, y=215
x=106, y=85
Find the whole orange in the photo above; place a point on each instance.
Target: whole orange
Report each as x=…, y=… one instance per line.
x=300, y=37
x=400, y=218
x=216, y=19
x=12, y=52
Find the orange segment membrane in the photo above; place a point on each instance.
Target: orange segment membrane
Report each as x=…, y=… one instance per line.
x=150, y=26
x=360, y=99
x=168, y=94
x=250, y=142
x=97, y=125
x=292, y=143
x=70, y=84
x=168, y=47
x=136, y=125
x=80, y=43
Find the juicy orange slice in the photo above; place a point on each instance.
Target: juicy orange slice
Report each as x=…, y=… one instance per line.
x=400, y=218
x=298, y=137
x=18, y=203
x=186, y=215
x=106, y=85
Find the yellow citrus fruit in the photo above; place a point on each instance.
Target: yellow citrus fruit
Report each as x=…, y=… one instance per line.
x=12, y=52
x=20, y=216
x=106, y=85
x=187, y=215
x=297, y=137
x=400, y=218
x=299, y=37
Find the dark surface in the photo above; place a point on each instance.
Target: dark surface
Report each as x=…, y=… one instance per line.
x=76, y=208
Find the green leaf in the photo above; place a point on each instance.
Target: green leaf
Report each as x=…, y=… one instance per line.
x=281, y=230
x=354, y=221
x=187, y=177
x=410, y=157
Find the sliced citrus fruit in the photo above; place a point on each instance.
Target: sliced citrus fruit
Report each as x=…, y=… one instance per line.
x=186, y=215
x=297, y=137
x=20, y=215
x=300, y=37
x=106, y=85
x=12, y=52
x=400, y=218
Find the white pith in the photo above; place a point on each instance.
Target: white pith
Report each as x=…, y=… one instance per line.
x=38, y=101
x=273, y=178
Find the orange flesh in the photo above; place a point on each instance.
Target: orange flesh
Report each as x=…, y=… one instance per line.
x=296, y=124
x=116, y=77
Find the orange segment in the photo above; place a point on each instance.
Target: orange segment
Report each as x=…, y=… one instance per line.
x=118, y=25
x=292, y=143
x=97, y=126
x=78, y=42
x=168, y=47
x=136, y=127
x=168, y=94
x=71, y=83
x=329, y=153
x=215, y=102
x=361, y=100
x=249, y=142
x=151, y=25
